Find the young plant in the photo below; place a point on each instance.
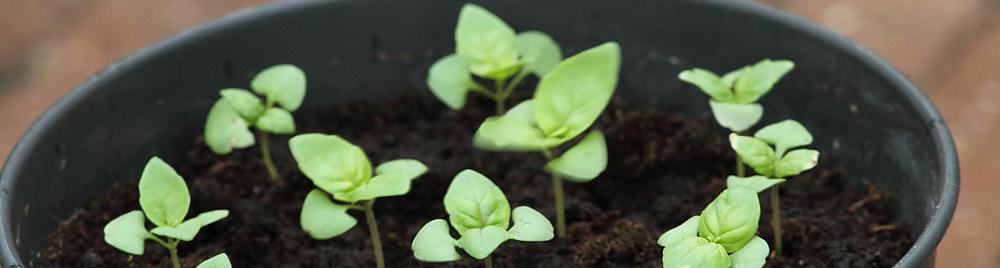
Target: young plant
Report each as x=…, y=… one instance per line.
x=779, y=162
x=734, y=96
x=566, y=103
x=164, y=199
x=479, y=211
x=487, y=47
x=341, y=170
x=229, y=120
x=723, y=236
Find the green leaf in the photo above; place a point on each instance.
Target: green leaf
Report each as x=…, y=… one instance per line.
x=736, y=117
x=570, y=97
x=729, y=80
x=283, y=84
x=515, y=131
x=163, y=195
x=757, y=80
x=708, y=82
x=687, y=229
x=530, y=226
x=219, y=261
x=473, y=201
x=583, y=162
x=754, y=183
x=225, y=130
x=332, y=163
x=785, y=135
x=538, y=52
x=449, y=81
x=752, y=255
x=796, y=162
x=731, y=219
x=323, y=219
x=127, y=233
x=693, y=252
x=388, y=184
x=481, y=242
x=408, y=167
x=188, y=229
x=245, y=103
x=486, y=43
x=276, y=121
x=433, y=243
x=755, y=153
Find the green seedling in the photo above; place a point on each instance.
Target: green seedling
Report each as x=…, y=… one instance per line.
x=566, y=103
x=488, y=48
x=229, y=120
x=734, y=96
x=479, y=211
x=341, y=170
x=778, y=162
x=219, y=261
x=723, y=236
x=164, y=199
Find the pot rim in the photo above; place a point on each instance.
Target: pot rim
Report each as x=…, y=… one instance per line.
x=921, y=251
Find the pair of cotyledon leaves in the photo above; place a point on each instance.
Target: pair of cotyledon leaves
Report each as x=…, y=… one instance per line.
x=724, y=235
x=735, y=94
x=479, y=211
x=164, y=199
x=230, y=118
x=566, y=103
x=777, y=162
x=489, y=48
x=341, y=169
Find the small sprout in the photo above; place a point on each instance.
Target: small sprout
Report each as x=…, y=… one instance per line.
x=479, y=211
x=724, y=235
x=229, y=120
x=566, y=103
x=164, y=199
x=487, y=47
x=219, y=261
x=734, y=95
x=342, y=170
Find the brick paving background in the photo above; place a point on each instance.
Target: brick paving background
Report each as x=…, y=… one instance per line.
x=951, y=48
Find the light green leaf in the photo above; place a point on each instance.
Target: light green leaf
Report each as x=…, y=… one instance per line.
x=708, y=82
x=225, y=130
x=736, y=117
x=245, y=103
x=409, y=167
x=163, y=195
x=277, y=121
x=530, y=226
x=449, y=81
x=785, y=135
x=323, y=219
x=538, y=52
x=583, y=162
x=755, y=153
x=731, y=219
x=188, y=229
x=481, y=242
x=729, y=80
x=515, y=131
x=687, y=229
x=332, y=163
x=757, y=80
x=219, y=261
x=210, y=217
x=388, y=184
x=486, y=43
x=754, y=183
x=796, y=162
x=752, y=255
x=284, y=84
x=570, y=97
x=433, y=243
x=127, y=233
x=473, y=201
x=691, y=252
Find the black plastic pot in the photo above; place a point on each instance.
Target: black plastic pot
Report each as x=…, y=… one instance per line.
x=869, y=119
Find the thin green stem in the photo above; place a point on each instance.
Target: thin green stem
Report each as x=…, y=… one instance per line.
x=173, y=252
x=373, y=230
x=740, y=172
x=265, y=151
x=488, y=261
x=514, y=82
x=776, y=218
x=557, y=192
x=476, y=87
x=500, y=98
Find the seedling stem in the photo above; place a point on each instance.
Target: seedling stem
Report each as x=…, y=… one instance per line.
x=557, y=190
x=373, y=230
x=265, y=151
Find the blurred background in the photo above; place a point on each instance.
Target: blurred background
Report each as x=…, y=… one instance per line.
x=951, y=49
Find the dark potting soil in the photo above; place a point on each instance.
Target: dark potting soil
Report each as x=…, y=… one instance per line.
x=663, y=169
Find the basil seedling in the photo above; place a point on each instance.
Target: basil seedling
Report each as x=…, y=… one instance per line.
x=487, y=47
x=566, y=103
x=723, y=236
x=229, y=120
x=779, y=162
x=479, y=211
x=341, y=170
x=164, y=199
